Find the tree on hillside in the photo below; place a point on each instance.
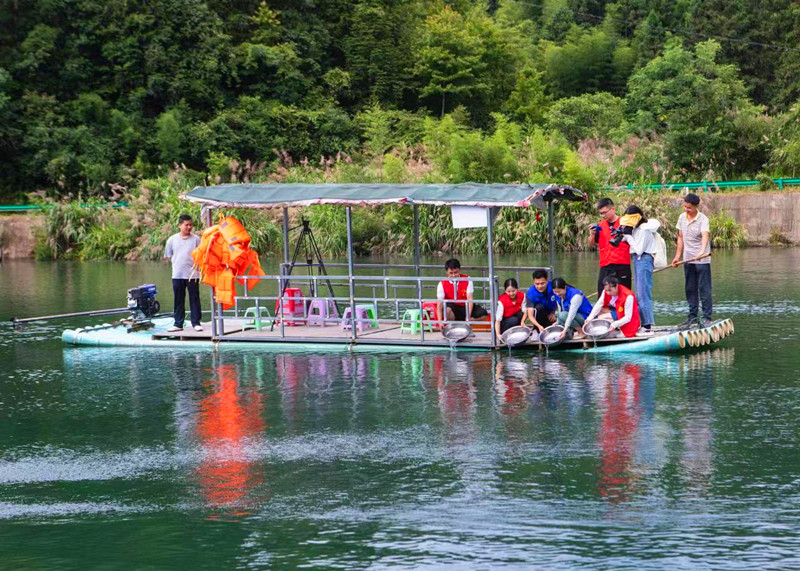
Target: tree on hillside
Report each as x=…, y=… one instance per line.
x=592, y=115
x=450, y=62
x=377, y=47
x=696, y=102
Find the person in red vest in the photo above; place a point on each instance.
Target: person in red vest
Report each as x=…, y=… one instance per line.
x=510, y=307
x=618, y=304
x=614, y=260
x=455, y=295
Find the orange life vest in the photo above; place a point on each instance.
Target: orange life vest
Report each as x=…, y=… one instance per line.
x=223, y=256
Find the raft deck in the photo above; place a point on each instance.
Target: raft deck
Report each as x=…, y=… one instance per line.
x=391, y=334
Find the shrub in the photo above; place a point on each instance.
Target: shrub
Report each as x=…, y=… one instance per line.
x=67, y=225
x=725, y=232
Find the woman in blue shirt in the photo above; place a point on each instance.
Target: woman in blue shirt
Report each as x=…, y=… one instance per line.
x=573, y=307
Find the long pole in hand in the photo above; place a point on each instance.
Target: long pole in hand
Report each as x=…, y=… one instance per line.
x=696, y=258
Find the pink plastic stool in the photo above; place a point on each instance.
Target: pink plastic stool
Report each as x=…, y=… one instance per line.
x=321, y=310
x=362, y=318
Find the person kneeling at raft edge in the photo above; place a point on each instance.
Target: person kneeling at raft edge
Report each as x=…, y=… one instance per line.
x=510, y=307
x=618, y=304
x=540, y=302
x=455, y=295
x=573, y=308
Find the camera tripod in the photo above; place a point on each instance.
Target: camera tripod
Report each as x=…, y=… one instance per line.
x=307, y=244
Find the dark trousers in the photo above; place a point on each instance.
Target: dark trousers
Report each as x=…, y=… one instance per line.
x=542, y=315
x=460, y=312
x=510, y=321
x=698, y=288
x=179, y=288
x=621, y=271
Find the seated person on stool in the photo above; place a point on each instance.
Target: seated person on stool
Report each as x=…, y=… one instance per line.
x=510, y=307
x=618, y=304
x=540, y=302
x=457, y=289
x=573, y=308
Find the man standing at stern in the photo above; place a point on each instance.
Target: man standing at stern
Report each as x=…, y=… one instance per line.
x=184, y=276
x=694, y=243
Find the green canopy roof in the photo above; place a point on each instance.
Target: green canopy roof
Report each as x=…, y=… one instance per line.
x=466, y=194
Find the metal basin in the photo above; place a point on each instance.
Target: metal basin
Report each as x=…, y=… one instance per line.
x=515, y=335
x=550, y=335
x=597, y=328
x=456, y=331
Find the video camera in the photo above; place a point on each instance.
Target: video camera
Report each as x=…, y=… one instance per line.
x=618, y=233
x=626, y=225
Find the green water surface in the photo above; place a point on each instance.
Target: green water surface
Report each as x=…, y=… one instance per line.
x=157, y=459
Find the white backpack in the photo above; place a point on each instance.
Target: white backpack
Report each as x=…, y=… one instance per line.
x=660, y=257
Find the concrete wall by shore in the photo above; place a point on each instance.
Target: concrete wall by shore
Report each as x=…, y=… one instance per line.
x=764, y=215
x=17, y=235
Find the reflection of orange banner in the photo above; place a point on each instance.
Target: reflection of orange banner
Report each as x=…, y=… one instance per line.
x=620, y=421
x=225, y=421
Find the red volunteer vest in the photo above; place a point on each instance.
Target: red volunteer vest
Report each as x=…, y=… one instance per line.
x=511, y=307
x=630, y=328
x=608, y=253
x=449, y=292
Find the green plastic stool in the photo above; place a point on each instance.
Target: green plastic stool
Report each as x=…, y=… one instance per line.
x=371, y=313
x=412, y=319
x=256, y=323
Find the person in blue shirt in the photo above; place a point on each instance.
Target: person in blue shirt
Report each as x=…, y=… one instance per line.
x=540, y=302
x=573, y=308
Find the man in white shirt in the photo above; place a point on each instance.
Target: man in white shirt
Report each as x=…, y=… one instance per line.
x=694, y=242
x=184, y=275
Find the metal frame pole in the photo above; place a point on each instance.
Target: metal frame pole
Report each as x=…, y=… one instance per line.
x=285, y=235
x=207, y=221
x=350, y=272
x=551, y=238
x=492, y=285
x=416, y=256
x=416, y=239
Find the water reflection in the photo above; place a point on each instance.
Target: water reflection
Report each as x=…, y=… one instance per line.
x=228, y=418
x=621, y=412
x=616, y=429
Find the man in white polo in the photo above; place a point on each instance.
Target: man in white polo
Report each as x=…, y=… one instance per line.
x=694, y=242
x=184, y=276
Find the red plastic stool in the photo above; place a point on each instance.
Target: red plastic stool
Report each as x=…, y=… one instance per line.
x=431, y=306
x=291, y=307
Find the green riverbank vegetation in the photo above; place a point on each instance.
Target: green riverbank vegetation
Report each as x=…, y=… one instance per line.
x=91, y=230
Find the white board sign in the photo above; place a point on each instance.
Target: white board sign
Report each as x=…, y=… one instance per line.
x=468, y=216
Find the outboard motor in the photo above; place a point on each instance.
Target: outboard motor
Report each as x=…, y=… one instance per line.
x=142, y=302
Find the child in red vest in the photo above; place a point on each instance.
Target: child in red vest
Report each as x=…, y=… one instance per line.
x=617, y=303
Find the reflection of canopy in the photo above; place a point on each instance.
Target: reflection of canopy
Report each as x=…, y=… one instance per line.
x=466, y=194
